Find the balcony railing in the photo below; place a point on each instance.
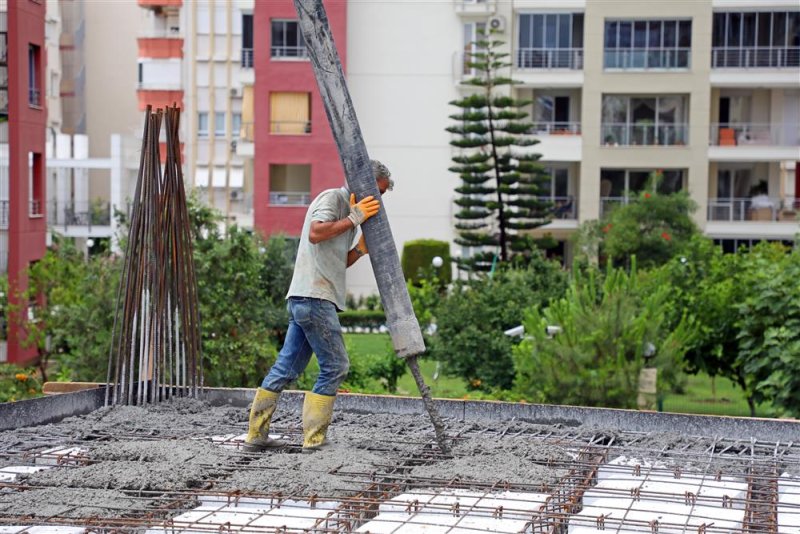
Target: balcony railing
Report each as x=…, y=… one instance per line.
x=607, y=204
x=35, y=208
x=750, y=57
x=754, y=134
x=563, y=207
x=78, y=214
x=550, y=58
x=623, y=134
x=247, y=132
x=289, y=198
x=4, y=214
x=760, y=208
x=647, y=58
x=556, y=128
x=34, y=97
x=290, y=127
x=290, y=52
x=247, y=58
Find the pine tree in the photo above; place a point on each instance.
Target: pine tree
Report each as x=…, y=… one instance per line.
x=501, y=182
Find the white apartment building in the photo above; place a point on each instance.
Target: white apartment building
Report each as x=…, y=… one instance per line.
x=706, y=90
x=200, y=55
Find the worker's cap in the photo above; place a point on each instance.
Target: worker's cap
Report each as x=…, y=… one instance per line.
x=382, y=171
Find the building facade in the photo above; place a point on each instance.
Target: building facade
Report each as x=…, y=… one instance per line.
x=23, y=117
x=199, y=55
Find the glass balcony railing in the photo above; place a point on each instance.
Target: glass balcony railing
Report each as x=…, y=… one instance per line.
x=644, y=134
x=550, y=58
x=289, y=52
x=556, y=128
x=78, y=214
x=564, y=208
x=759, y=208
x=755, y=134
x=647, y=58
x=289, y=198
x=749, y=57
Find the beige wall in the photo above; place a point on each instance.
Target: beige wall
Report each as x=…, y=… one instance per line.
x=694, y=83
x=110, y=55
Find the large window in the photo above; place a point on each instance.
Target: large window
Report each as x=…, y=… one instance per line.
x=290, y=113
x=556, y=190
x=620, y=186
x=550, y=41
x=756, y=39
x=287, y=40
x=289, y=185
x=473, y=31
x=202, y=124
x=647, y=44
x=645, y=120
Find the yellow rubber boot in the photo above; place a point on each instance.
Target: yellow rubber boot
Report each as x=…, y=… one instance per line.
x=264, y=405
x=317, y=413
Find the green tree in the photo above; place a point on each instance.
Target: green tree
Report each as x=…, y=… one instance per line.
x=501, y=182
x=606, y=325
x=471, y=319
x=654, y=227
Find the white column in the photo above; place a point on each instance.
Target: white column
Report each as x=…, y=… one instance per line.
x=116, y=200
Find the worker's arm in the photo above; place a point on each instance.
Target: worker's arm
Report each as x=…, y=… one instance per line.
x=359, y=212
x=356, y=252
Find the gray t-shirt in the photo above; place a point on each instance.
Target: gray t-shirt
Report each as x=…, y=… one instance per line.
x=319, y=271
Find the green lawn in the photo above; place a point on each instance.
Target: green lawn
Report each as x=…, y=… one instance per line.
x=697, y=398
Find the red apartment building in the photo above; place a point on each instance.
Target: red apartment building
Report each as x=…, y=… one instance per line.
x=295, y=154
x=25, y=126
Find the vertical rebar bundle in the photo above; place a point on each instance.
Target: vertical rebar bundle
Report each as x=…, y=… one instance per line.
x=155, y=347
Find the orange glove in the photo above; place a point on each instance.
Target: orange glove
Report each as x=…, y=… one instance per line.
x=361, y=211
x=362, y=245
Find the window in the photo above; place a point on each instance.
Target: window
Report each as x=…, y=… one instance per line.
x=645, y=120
x=647, y=44
x=556, y=190
x=202, y=124
x=756, y=39
x=219, y=124
x=472, y=33
x=550, y=41
x=290, y=113
x=236, y=125
x=551, y=113
x=34, y=82
x=35, y=184
x=620, y=186
x=247, y=41
x=289, y=185
x=287, y=40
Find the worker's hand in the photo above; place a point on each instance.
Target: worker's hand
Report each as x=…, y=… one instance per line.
x=362, y=245
x=361, y=211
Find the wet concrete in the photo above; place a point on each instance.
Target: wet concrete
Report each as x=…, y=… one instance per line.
x=70, y=503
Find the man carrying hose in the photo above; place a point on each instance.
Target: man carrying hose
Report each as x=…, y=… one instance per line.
x=316, y=294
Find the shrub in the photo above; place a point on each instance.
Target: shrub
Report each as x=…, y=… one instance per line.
x=17, y=383
x=371, y=319
x=417, y=260
x=469, y=340
x=606, y=323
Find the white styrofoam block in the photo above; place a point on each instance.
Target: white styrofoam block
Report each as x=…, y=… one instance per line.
x=729, y=519
x=236, y=441
x=24, y=469
x=6, y=477
x=295, y=518
x=64, y=454
x=788, y=503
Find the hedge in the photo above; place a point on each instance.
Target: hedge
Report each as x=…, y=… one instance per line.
x=362, y=318
x=417, y=258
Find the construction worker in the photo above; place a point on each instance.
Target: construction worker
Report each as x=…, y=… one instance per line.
x=316, y=294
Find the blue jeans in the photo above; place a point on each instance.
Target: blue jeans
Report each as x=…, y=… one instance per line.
x=313, y=327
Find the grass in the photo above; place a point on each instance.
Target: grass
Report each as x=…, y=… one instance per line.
x=697, y=397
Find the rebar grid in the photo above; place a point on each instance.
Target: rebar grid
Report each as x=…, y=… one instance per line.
x=717, y=460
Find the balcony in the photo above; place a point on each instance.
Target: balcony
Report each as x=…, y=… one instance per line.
x=289, y=52
x=550, y=58
x=3, y=214
x=34, y=97
x=289, y=198
x=645, y=134
x=83, y=214
x=647, y=58
x=564, y=208
x=754, y=142
x=755, y=57
x=556, y=128
x=290, y=127
x=247, y=58
x=558, y=141
x=757, y=209
x=607, y=204
x=475, y=7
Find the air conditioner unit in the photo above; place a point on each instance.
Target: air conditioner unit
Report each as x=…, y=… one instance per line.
x=497, y=24
x=237, y=195
x=235, y=92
